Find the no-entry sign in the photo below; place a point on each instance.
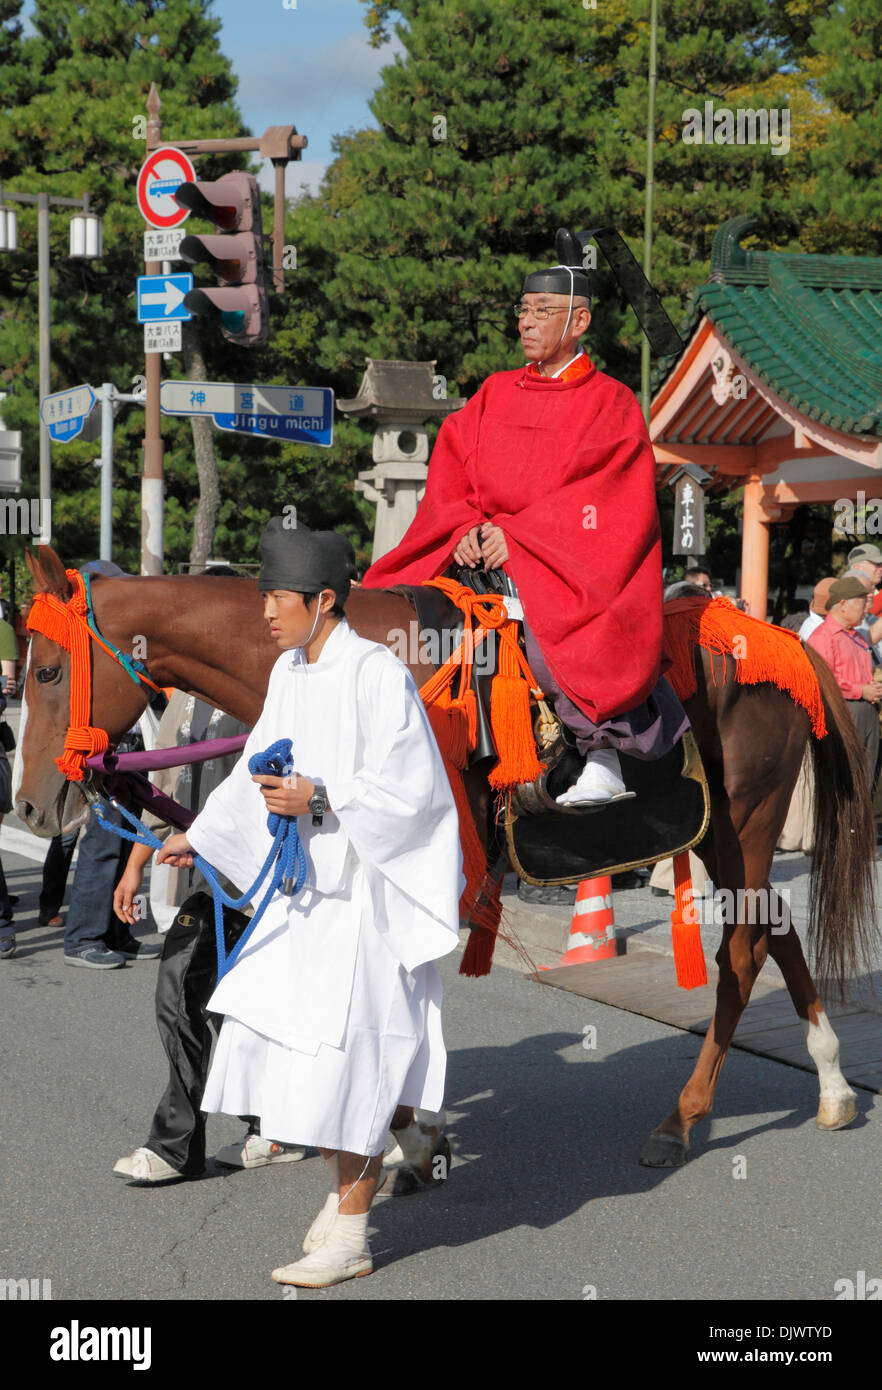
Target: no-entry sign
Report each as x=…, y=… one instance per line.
x=161, y=173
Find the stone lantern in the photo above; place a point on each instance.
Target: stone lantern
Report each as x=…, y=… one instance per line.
x=400, y=397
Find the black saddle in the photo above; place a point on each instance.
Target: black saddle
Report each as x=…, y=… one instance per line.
x=550, y=844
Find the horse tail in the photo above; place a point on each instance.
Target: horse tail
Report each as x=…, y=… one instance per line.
x=842, y=896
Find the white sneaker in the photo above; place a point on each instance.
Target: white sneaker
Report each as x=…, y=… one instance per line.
x=145, y=1166
x=600, y=781
x=255, y=1152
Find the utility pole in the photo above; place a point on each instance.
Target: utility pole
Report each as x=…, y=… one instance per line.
x=647, y=213
x=280, y=144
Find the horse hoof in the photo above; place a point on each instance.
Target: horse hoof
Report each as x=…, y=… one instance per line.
x=663, y=1151
x=408, y=1178
x=837, y=1112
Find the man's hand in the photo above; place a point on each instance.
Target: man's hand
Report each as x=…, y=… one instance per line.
x=872, y=692
x=176, y=851
x=494, y=549
x=468, y=548
x=286, y=796
x=125, y=892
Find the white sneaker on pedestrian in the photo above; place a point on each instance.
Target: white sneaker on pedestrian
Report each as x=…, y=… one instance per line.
x=145, y=1166
x=600, y=781
x=256, y=1152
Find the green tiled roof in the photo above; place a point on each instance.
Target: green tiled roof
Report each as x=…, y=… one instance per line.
x=810, y=327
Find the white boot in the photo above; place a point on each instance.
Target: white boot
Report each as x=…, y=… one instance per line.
x=600, y=781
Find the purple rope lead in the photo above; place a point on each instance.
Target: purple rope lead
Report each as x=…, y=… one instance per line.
x=285, y=862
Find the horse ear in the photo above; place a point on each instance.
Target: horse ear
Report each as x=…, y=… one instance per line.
x=49, y=573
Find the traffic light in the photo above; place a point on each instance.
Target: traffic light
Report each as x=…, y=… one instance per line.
x=234, y=254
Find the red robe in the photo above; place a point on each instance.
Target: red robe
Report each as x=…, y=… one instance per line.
x=565, y=467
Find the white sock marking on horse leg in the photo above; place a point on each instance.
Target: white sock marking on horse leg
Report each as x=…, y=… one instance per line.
x=823, y=1046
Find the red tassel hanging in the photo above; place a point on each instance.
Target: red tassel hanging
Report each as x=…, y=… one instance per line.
x=685, y=931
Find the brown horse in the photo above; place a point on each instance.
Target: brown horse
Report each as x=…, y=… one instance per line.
x=208, y=637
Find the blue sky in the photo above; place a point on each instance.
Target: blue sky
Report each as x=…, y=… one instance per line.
x=306, y=63
x=310, y=66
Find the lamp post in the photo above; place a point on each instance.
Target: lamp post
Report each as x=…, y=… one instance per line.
x=85, y=242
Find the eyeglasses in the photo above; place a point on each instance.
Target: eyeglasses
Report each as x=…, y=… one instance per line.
x=540, y=314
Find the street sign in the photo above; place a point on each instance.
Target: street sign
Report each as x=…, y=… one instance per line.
x=163, y=246
x=303, y=414
x=161, y=173
x=162, y=337
x=64, y=413
x=161, y=297
x=688, y=518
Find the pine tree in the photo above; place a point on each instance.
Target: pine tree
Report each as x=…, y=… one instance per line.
x=74, y=122
x=846, y=192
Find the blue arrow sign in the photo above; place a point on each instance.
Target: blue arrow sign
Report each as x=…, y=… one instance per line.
x=65, y=413
x=161, y=297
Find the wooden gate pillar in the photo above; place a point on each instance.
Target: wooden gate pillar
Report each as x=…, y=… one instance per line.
x=755, y=549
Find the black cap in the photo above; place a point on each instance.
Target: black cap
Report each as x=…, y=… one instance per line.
x=293, y=557
x=568, y=275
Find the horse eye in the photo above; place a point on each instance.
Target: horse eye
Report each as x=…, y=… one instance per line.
x=45, y=674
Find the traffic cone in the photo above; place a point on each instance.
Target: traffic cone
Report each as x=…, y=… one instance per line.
x=592, y=931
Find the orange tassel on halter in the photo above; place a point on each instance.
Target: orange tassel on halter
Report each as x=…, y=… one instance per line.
x=510, y=717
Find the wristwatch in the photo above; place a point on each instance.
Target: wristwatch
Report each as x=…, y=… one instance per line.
x=318, y=803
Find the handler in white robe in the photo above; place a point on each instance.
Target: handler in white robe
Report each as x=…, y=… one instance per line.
x=332, y=1009
x=339, y=977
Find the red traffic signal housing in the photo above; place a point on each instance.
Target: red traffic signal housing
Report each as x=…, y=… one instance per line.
x=234, y=255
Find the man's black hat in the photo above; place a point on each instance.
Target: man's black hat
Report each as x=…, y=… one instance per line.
x=293, y=557
x=568, y=276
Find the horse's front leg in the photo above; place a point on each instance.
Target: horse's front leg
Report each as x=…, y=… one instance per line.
x=741, y=956
x=838, y=1103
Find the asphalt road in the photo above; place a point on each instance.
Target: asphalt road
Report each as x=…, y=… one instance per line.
x=546, y=1199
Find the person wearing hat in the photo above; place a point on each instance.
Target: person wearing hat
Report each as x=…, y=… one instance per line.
x=331, y=1013
x=548, y=474
x=817, y=608
x=849, y=658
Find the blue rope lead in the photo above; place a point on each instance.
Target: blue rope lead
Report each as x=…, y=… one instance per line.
x=285, y=862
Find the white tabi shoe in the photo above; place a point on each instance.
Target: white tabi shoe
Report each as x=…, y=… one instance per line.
x=324, y=1267
x=323, y=1224
x=600, y=781
x=145, y=1166
x=255, y=1152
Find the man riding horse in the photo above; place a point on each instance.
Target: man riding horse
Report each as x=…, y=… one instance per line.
x=548, y=473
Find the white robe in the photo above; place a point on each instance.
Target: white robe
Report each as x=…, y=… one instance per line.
x=332, y=1010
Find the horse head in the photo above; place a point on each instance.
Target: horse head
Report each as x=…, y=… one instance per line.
x=45, y=799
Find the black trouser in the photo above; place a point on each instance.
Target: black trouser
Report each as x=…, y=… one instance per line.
x=866, y=720
x=55, y=871
x=186, y=980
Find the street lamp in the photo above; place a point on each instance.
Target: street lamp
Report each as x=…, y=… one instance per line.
x=85, y=242
x=86, y=239
x=8, y=229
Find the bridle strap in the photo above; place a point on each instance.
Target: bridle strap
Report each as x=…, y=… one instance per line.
x=67, y=625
